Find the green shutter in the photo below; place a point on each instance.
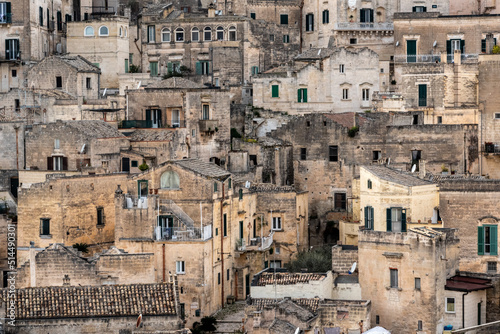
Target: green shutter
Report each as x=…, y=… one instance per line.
x=403, y=220
x=298, y=95
x=215, y=187
x=9, y=13
x=148, y=114
x=373, y=218
x=304, y=94
x=462, y=44
x=480, y=240
x=170, y=67
x=493, y=240
x=275, y=90
x=126, y=65
x=367, y=208
x=389, y=221
x=198, y=68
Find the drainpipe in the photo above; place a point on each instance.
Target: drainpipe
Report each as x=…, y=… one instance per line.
x=463, y=309
x=17, y=146
x=222, y=245
x=163, y=246
x=300, y=26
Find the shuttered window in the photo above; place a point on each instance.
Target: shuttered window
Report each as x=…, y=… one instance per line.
x=396, y=220
x=275, y=91
x=368, y=218
x=487, y=240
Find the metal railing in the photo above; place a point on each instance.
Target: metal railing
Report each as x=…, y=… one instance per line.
x=175, y=123
x=136, y=202
x=135, y=124
x=256, y=244
x=170, y=206
x=364, y=26
x=5, y=18
x=434, y=58
x=177, y=233
x=491, y=148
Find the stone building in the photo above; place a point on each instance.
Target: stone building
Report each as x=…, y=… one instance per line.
x=90, y=309
x=105, y=43
x=75, y=145
x=320, y=80
x=12, y=138
x=71, y=74
x=407, y=272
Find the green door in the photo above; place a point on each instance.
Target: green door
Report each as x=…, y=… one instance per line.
x=411, y=51
x=422, y=95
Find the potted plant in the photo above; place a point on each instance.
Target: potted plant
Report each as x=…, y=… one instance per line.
x=444, y=170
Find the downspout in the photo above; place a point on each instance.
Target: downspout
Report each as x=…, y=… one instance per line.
x=222, y=245
x=463, y=309
x=300, y=26
x=17, y=146
x=163, y=246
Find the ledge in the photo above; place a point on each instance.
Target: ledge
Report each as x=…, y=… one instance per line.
x=393, y=255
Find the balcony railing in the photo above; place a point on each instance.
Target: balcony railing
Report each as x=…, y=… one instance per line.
x=208, y=125
x=175, y=124
x=436, y=58
x=135, y=124
x=491, y=148
x=177, y=233
x=136, y=202
x=5, y=18
x=256, y=244
x=363, y=26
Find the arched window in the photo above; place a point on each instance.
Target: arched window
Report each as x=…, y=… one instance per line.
x=89, y=31
x=220, y=33
x=232, y=33
x=103, y=31
x=195, y=35
x=169, y=180
x=207, y=34
x=126, y=32
x=165, y=35
x=121, y=31
x=179, y=35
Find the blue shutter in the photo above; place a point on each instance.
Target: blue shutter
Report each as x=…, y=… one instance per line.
x=480, y=240
x=403, y=220
x=389, y=221
x=493, y=240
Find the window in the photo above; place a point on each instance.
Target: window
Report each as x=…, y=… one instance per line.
x=487, y=240
x=207, y=34
x=275, y=264
x=366, y=94
x=205, y=112
x=396, y=220
x=40, y=15
x=353, y=41
x=394, y=278
x=252, y=16
x=345, y=93
x=419, y=9
x=333, y=153
x=14, y=73
x=195, y=35
x=225, y=225
x=58, y=82
x=271, y=38
x=227, y=275
x=369, y=184
x=240, y=194
x=180, y=267
x=440, y=120
x=151, y=34
x=422, y=95
x=179, y=35
x=169, y=180
x=277, y=223
x=153, y=68
x=310, y=22
x=203, y=68
x=483, y=44
x=56, y=144
x=415, y=120
x=302, y=95
x=215, y=187
x=103, y=31
x=220, y=33
x=232, y=33
x=341, y=68
x=11, y=49
x=165, y=35
x=100, y=216
x=5, y=12
x=366, y=15
x=340, y=202
x=492, y=267
x=67, y=18
x=326, y=16
x=218, y=278
x=416, y=156
x=303, y=153
x=275, y=91
x=44, y=226
x=376, y=155
x=255, y=70
x=134, y=163
x=89, y=31
x=450, y=305
x=417, y=283
x=277, y=250
x=120, y=32
x=17, y=105
x=284, y=19
x=419, y=325
x=377, y=320
x=126, y=66
x=88, y=83
x=286, y=38
x=368, y=218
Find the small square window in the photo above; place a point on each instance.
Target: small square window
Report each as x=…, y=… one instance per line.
x=180, y=267
x=100, y=216
x=492, y=267
x=252, y=15
x=420, y=325
x=276, y=224
x=377, y=155
x=340, y=202
x=286, y=38
x=440, y=120
x=497, y=115
x=333, y=153
x=303, y=153
x=353, y=41
x=89, y=83
x=271, y=38
x=417, y=283
x=135, y=163
x=342, y=68
x=14, y=73
x=450, y=305
x=45, y=226
x=284, y=19
x=394, y=278
x=58, y=82
x=277, y=249
x=381, y=70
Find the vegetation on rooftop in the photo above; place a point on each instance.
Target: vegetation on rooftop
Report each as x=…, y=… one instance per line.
x=317, y=260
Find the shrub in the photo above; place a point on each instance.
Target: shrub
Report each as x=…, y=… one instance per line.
x=318, y=260
x=81, y=247
x=352, y=131
x=496, y=49
x=144, y=166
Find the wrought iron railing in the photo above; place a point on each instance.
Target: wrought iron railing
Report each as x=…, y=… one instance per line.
x=364, y=26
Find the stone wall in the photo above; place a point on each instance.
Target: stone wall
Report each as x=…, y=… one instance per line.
x=12, y=138
x=348, y=315
x=343, y=257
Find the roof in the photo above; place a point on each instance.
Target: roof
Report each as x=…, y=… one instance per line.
x=347, y=119
x=57, y=93
x=207, y=169
x=311, y=304
x=175, y=82
x=288, y=278
x=464, y=283
x=347, y=279
x=315, y=53
x=154, y=9
x=94, y=129
x=151, y=135
x=80, y=64
x=395, y=176
x=95, y=301
x=282, y=327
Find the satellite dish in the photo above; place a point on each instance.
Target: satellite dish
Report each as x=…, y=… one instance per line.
x=397, y=43
x=297, y=331
x=353, y=268
x=435, y=43
x=83, y=149
x=413, y=168
x=104, y=94
x=247, y=184
x=388, y=161
x=139, y=85
x=139, y=320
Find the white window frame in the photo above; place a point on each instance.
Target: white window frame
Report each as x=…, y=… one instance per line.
x=57, y=162
x=205, y=111
x=397, y=224
x=85, y=31
x=3, y=12
x=164, y=33
x=179, y=31
x=207, y=30
x=446, y=305
x=365, y=93
x=393, y=286
x=341, y=68
x=497, y=115
x=277, y=224
x=180, y=267
x=197, y=31
x=56, y=144
x=217, y=31
x=232, y=30
x=345, y=93
x=151, y=34
x=100, y=31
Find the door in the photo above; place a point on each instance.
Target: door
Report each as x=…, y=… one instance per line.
x=176, y=118
x=479, y=313
x=14, y=184
x=247, y=284
x=154, y=118
x=142, y=186
x=166, y=224
x=422, y=95
x=411, y=51
x=126, y=165
x=451, y=46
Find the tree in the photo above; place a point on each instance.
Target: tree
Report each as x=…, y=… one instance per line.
x=207, y=325
x=318, y=260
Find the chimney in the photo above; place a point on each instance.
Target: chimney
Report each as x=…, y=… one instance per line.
x=66, y=280
x=490, y=43
x=32, y=257
x=211, y=10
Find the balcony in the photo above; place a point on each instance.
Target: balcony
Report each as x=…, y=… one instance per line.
x=6, y=18
x=491, y=148
x=208, y=125
x=363, y=26
x=256, y=244
x=175, y=124
x=177, y=234
x=436, y=58
x=135, y=124
x=135, y=202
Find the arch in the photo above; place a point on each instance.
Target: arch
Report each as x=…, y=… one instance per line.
x=103, y=31
x=207, y=34
x=121, y=32
x=89, y=31
x=165, y=35
x=179, y=35
x=126, y=32
x=220, y=33
x=195, y=34
x=169, y=180
x=232, y=33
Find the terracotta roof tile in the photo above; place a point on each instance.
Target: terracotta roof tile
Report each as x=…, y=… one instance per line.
x=288, y=278
x=311, y=304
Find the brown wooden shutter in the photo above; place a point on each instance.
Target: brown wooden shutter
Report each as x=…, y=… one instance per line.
x=50, y=163
x=65, y=163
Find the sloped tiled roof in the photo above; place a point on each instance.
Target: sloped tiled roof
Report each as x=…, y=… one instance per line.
x=175, y=82
x=95, y=301
x=399, y=177
x=154, y=9
x=81, y=64
x=311, y=304
x=288, y=278
x=95, y=129
x=207, y=169
x=347, y=119
x=315, y=53
x=152, y=135
x=281, y=327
